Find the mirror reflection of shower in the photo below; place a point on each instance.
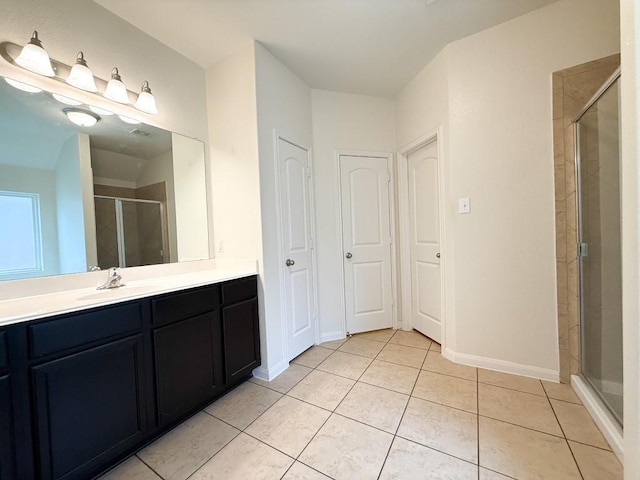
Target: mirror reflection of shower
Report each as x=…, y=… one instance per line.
x=599, y=237
x=131, y=232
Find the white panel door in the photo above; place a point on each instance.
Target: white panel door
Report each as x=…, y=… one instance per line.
x=366, y=229
x=294, y=180
x=424, y=230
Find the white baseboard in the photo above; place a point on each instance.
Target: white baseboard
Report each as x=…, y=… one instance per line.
x=604, y=420
x=268, y=374
x=502, y=366
x=330, y=336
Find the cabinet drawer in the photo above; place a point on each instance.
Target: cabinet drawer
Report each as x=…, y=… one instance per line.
x=64, y=333
x=179, y=306
x=4, y=354
x=239, y=290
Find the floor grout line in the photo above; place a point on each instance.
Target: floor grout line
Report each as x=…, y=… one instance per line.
x=395, y=434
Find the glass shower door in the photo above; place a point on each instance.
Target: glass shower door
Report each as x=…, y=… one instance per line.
x=130, y=232
x=599, y=250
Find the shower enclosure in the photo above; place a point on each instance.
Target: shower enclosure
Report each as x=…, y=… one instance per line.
x=599, y=244
x=130, y=232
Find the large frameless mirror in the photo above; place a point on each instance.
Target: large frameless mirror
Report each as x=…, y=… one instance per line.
x=78, y=197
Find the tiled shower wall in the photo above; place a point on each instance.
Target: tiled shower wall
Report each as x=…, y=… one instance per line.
x=572, y=89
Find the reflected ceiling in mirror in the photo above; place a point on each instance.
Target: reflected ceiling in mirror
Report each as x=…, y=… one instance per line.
x=113, y=194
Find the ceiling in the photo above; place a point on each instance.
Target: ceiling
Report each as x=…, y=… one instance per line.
x=369, y=47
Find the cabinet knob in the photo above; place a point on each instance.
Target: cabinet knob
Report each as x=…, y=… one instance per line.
x=438, y=255
x=348, y=255
x=290, y=262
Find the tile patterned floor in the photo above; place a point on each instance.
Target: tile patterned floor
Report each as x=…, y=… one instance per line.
x=383, y=405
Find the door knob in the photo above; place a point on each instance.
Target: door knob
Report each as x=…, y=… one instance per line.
x=290, y=262
x=348, y=255
x=438, y=255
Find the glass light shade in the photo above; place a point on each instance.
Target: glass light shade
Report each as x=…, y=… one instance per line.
x=82, y=118
x=146, y=101
x=34, y=58
x=100, y=111
x=22, y=86
x=66, y=100
x=81, y=76
x=116, y=90
x=130, y=120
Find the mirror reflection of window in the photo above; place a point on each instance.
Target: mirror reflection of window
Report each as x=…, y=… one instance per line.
x=20, y=251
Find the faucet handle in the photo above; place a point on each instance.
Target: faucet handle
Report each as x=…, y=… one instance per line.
x=113, y=271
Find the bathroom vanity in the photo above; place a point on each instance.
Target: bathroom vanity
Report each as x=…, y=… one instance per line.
x=79, y=391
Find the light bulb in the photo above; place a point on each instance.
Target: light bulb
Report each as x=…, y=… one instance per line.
x=116, y=90
x=146, y=101
x=34, y=57
x=81, y=76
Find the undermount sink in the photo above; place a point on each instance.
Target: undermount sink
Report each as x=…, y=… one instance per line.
x=120, y=291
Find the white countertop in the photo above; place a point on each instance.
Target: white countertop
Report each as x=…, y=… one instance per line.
x=32, y=307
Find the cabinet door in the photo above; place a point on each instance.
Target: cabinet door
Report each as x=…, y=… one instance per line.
x=241, y=339
x=188, y=365
x=89, y=409
x=6, y=430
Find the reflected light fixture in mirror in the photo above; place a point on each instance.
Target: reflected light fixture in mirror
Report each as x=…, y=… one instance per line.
x=81, y=117
x=34, y=57
x=146, y=101
x=22, y=86
x=116, y=89
x=66, y=100
x=81, y=75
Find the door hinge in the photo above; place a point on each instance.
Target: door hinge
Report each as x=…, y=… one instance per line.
x=313, y=312
x=583, y=250
x=388, y=177
x=390, y=240
x=308, y=172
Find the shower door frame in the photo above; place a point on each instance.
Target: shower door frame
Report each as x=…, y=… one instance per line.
x=120, y=226
x=579, y=246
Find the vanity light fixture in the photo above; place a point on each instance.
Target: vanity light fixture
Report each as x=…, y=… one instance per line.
x=116, y=90
x=34, y=57
x=81, y=76
x=66, y=100
x=130, y=120
x=146, y=101
x=22, y=86
x=100, y=111
x=81, y=117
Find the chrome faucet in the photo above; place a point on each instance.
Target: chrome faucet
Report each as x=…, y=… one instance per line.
x=113, y=281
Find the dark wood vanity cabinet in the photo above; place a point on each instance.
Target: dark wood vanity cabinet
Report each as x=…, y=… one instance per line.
x=89, y=408
x=85, y=390
x=239, y=323
x=188, y=353
x=6, y=416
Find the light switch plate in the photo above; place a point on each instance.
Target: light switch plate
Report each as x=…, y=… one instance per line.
x=464, y=205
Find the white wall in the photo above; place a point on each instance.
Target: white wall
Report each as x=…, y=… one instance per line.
x=341, y=121
x=233, y=149
x=190, y=189
x=72, y=251
x=284, y=104
x=500, y=155
x=630, y=102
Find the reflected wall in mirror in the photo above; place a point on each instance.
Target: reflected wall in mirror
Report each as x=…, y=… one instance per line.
x=114, y=194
